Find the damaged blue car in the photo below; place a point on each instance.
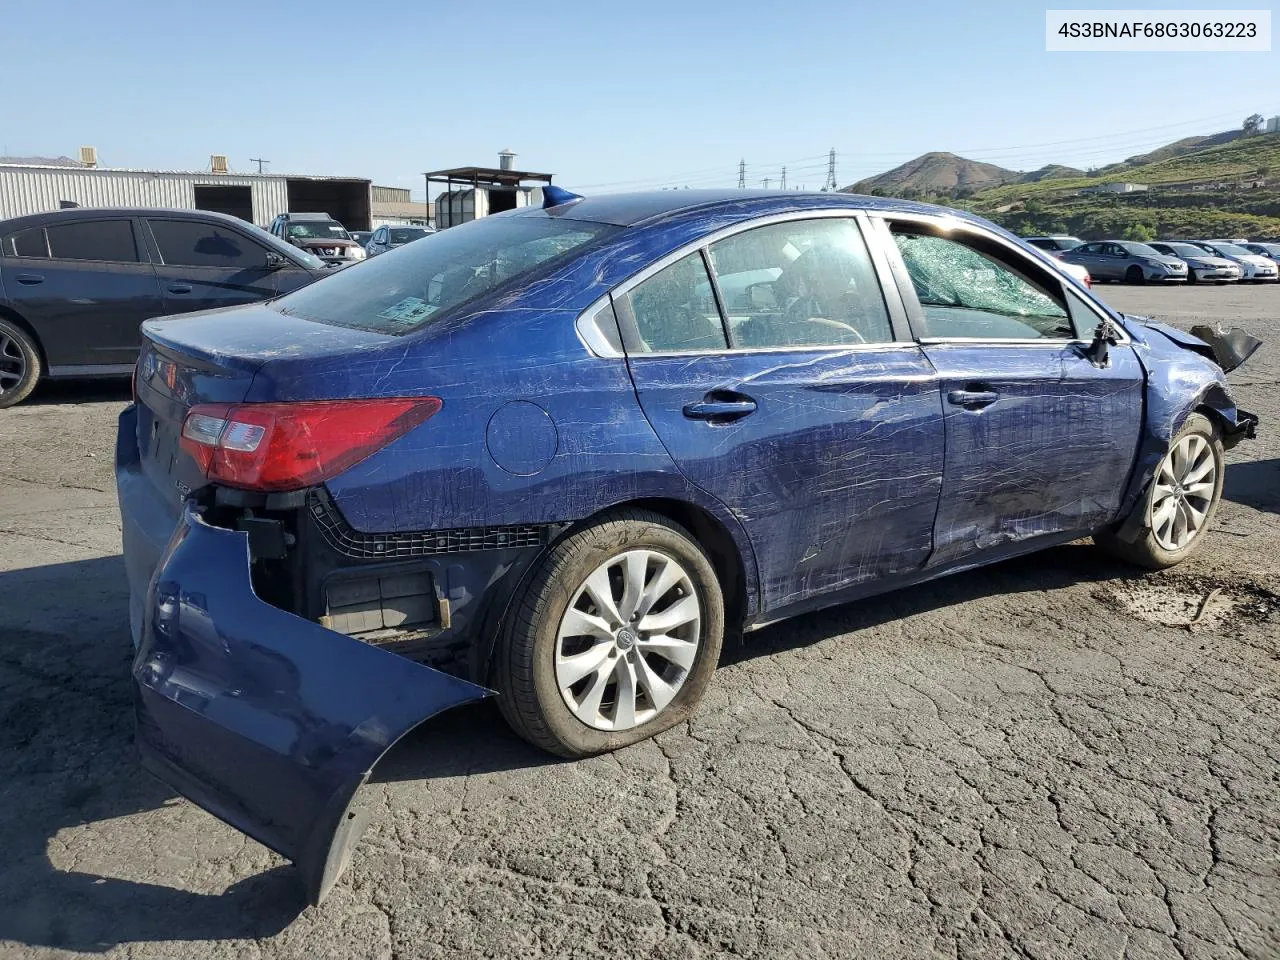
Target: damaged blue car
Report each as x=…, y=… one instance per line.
x=555, y=455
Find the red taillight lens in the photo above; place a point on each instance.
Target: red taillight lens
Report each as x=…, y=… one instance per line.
x=1088, y=281
x=289, y=446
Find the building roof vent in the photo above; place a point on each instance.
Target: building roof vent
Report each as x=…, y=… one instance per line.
x=506, y=160
x=218, y=163
x=89, y=156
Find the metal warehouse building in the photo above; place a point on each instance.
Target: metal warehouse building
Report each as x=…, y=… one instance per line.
x=33, y=185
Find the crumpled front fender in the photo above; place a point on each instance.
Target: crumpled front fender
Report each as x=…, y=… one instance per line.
x=270, y=722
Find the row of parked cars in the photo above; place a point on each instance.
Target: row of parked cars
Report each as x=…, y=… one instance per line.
x=1167, y=261
x=326, y=238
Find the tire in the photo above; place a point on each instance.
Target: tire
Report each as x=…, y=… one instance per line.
x=1134, y=275
x=1191, y=276
x=19, y=364
x=1157, y=547
x=536, y=649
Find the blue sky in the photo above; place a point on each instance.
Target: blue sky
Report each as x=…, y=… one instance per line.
x=604, y=95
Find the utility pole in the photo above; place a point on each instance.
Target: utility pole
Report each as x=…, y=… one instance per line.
x=784, y=178
x=258, y=162
x=765, y=181
x=742, y=174
x=831, y=170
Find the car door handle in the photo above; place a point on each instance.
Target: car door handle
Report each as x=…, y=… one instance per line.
x=973, y=399
x=30, y=279
x=179, y=288
x=720, y=409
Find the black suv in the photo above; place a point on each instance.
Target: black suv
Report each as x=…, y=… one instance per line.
x=76, y=284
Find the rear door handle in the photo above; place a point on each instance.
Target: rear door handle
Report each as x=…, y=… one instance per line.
x=973, y=399
x=721, y=408
x=179, y=288
x=30, y=279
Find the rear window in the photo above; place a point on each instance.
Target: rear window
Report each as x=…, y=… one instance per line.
x=406, y=234
x=405, y=289
x=110, y=240
x=25, y=243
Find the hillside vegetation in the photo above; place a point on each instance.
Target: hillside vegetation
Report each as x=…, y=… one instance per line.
x=1200, y=187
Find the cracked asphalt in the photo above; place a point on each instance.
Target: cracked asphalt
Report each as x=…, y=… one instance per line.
x=1040, y=759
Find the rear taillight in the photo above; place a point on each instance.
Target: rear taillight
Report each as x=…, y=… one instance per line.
x=1088, y=281
x=289, y=446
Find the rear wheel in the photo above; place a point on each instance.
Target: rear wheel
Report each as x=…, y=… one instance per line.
x=19, y=364
x=1134, y=274
x=1181, y=503
x=614, y=639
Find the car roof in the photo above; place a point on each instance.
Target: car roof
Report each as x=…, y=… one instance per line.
x=632, y=209
x=306, y=216
x=50, y=217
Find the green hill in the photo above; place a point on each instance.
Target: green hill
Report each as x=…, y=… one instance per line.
x=1225, y=189
x=1221, y=185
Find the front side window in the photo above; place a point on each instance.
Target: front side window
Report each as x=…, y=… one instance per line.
x=110, y=240
x=423, y=280
x=192, y=243
x=967, y=293
x=675, y=309
x=800, y=283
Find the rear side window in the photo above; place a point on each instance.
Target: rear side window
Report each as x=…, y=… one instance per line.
x=191, y=243
x=408, y=288
x=801, y=283
x=676, y=311
x=968, y=293
x=25, y=243
x=109, y=240
x=1042, y=244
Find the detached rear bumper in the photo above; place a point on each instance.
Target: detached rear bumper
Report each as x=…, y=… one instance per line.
x=270, y=722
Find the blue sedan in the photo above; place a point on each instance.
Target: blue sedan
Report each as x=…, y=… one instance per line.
x=558, y=454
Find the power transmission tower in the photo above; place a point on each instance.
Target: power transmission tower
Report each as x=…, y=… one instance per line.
x=742, y=174
x=258, y=162
x=765, y=181
x=831, y=170
x=784, y=178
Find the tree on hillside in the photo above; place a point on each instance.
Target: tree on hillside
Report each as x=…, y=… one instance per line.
x=1252, y=124
x=1139, y=232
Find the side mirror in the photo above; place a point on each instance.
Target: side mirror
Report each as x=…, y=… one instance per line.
x=275, y=261
x=1098, y=351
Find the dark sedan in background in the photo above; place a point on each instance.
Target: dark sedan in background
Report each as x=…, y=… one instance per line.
x=1127, y=260
x=389, y=237
x=75, y=285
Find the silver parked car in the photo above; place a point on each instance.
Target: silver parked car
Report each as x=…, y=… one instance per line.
x=1252, y=266
x=389, y=237
x=1128, y=261
x=1269, y=250
x=1056, y=245
x=1201, y=265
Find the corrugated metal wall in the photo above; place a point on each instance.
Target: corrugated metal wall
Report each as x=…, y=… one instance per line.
x=26, y=190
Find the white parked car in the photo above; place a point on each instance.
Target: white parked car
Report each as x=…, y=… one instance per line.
x=1077, y=271
x=1201, y=265
x=1252, y=266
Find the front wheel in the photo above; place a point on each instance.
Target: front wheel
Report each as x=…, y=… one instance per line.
x=1181, y=502
x=614, y=639
x=1134, y=274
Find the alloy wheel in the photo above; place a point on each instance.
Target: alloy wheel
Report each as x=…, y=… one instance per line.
x=628, y=640
x=13, y=363
x=1184, y=489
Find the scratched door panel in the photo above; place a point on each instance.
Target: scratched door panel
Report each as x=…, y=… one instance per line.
x=1044, y=446
x=835, y=475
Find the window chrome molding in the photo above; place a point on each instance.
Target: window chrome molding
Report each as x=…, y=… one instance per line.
x=952, y=225
x=883, y=347
x=857, y=214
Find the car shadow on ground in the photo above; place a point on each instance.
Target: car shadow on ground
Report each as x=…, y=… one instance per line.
x=66, y=748
x=1254, y=483
x=80, y=391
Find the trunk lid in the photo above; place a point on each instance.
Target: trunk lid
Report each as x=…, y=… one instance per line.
x=213, y=356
